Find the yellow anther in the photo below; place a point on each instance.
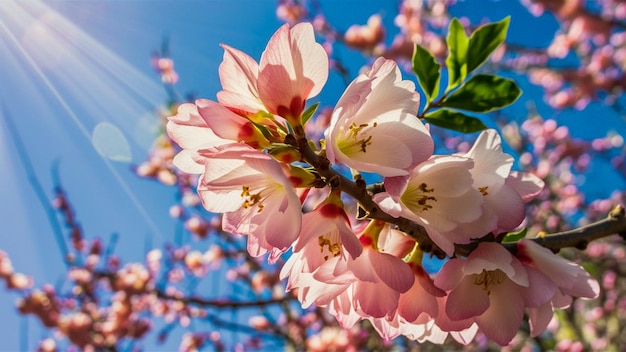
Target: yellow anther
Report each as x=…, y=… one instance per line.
x=250, y=199
x=419, y=197
x=488, y=279
x=333, y=248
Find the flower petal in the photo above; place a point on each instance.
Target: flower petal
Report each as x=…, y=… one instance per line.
x=239, y=75
x=467, y=300
x=293, y=68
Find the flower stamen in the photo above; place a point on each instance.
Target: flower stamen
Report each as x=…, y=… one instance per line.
x=488, y=279
x=251, y=199
x=333, y=248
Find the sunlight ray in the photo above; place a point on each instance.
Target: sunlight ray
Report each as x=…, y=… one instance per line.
x=68, y=91
x=104, y=85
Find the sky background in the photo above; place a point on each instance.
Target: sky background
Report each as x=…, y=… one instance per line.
x=69, y=66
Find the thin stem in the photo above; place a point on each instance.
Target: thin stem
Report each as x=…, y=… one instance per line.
x=340, y=182
x=579, y=238
x=36, y=185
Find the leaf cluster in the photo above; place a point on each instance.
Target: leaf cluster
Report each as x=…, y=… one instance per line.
x=465, y=91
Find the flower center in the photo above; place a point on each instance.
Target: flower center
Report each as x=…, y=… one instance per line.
x=251, y=199
x=352, y=143
x=483, y=190
x=488, y=279
x=419, y=198
x=334, y=248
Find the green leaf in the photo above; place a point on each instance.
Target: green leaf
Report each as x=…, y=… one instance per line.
x=456, y=61
x=426, y=69
x=308, y=113
x=483, y=93
x=515, y=236
x=454, y=120
x=484, y=41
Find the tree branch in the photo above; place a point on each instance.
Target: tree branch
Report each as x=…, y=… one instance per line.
x=364, y=198
x=579, y=238
x=219, y=303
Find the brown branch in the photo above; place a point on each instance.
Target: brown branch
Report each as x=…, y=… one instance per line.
x=614, y=223
x=579, y=238
x=364, y=198
x=218, y=303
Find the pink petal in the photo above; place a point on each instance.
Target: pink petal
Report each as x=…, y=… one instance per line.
x=450, y=275
x=539, y=318
x=419, y=299
x=313, y=58
x=392, y=271
x=465, y=336
x=189, y=130
x=501, y=321
x=322, y=294
x=374, y=299
x=225, y=123
x=489, y=256
x=442, y=241
x=238, y=75
x=189, y=161
x=508, y=207
x=584, y=286
x=281, y=223
x=540, y=288
x=467, y=300
x=491, y=165
x=448, y=174
x=526, y=184
x=385, y=328
x=445, y=323
x=293, y=68
x=395, y=242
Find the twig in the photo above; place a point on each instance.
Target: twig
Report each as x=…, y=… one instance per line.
x=222, y=304
x=579, y=238
x=36, y=185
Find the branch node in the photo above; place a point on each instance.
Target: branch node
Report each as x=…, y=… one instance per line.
x=425, y=247
x=617, y=212
x=334, y=182
x=291, y=140
x=581, y=245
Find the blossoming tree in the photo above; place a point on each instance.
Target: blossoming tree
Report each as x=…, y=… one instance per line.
x=343, y=210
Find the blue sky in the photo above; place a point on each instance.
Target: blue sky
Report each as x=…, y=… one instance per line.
x=67, y=66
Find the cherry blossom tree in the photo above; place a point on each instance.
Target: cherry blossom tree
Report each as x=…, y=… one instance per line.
x=394, y=218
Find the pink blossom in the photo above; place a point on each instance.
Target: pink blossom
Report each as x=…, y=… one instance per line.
x=418, y=305
x=569, y=278
x=381, y=277
x=374, y=128
x=229, y=125
x=191, y=132
x=488, y=287
x=503, y=206
x=366, y=37
x=438, y=194
x=290, y=11
x=254, y=194
x=333, y=339
x=165, y=67
x=292, y=69
x=325, y=242
x=239, y=75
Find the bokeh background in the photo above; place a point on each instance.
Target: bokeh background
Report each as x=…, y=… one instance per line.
x=79, y=104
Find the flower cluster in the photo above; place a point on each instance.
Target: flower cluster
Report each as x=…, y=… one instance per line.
x=257, y=167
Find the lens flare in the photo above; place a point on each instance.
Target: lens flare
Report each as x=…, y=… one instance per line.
x=60, y=80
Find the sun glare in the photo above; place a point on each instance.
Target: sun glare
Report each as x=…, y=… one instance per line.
x=99, y=93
